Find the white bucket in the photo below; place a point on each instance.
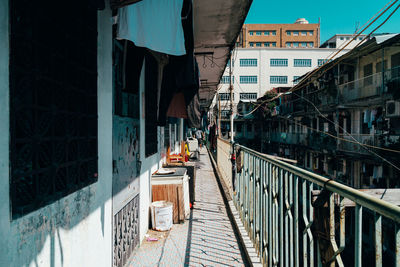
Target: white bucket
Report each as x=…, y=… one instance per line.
x=161, y=215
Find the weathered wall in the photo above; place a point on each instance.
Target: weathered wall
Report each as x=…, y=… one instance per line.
x=76, y=230
x=224, y=162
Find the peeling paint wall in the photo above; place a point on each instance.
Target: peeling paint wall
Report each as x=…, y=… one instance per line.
x=61, y=234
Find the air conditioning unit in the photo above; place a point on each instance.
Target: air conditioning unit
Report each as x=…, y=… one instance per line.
x=392, y=108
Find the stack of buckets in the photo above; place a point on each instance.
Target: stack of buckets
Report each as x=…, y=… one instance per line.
x=161, y=215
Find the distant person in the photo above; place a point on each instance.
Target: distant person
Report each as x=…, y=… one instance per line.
x=199, y=136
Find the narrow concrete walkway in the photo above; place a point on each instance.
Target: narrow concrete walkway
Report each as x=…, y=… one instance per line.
x=206, y=239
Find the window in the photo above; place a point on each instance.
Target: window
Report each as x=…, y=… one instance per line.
x=249, y=127
x=288, y=33
x=295, y=33
x=273, y=33
x=251, y=33
x=258, y=44
x=248, y=79
x=225, y=113
x=378, y=66
x=347, y=38
x=278, y=62
x=296, y=79
x=227, y=79
x=311, y=33
x=225, y=96
x=302, y=62
x=258, y=33
x=303, y=44
x=248, y=96
x=151, y=71
x=238, y=127
x=251, y=44
x=295, y=44
x=229, y=62
x=248, y=62
x=360, y=38
x=266, y=33
x=273, y=44
x=53, y=103
x=266, y=44
x=342, y=38
x=322, y=62
x=278, y=79
x=311, y=44
x=288, y=44
x=303, y=33
x=367, y=74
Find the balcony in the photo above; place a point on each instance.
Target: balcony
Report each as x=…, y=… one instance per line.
x=357, y=143
x=289, y=138
x=369, y=86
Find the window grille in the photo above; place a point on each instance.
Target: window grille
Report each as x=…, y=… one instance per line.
x=248, y=62
x=278, y=62
x=248, y=79
x=278, y=79
x=227, y=79
x=53, y=102
x=248, y=96
x=225, y=96
x=302, y=62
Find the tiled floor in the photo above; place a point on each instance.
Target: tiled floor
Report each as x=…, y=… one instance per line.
x=206, y=239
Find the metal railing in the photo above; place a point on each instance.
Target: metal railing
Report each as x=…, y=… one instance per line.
x=282, y=207
x=355, y=142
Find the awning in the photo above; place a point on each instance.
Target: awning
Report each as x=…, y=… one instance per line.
x=217, y=24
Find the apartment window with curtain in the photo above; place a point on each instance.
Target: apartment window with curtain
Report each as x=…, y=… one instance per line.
x=258, y=33
x=278, y=79
x=302, y=62
x=248, y=79
x=266, y=33
x=273, y=33
x=248, y=62
x=278, y=62
x=251, y=33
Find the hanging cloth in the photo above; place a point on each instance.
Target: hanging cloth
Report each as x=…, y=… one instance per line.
x=155, y=24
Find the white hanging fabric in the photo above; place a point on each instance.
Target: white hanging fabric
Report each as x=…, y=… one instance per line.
x=154, y=24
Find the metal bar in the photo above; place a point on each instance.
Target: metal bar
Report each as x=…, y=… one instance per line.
x=287, y=211
x=358, y=236
x=378, y=240
x=311, y=219
x=296, y=221
x=270, y=219
x=291, y=224
x=305, y=247
x=384, y=208
x=281, y=222
x=397, y=249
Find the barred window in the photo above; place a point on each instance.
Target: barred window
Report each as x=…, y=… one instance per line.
x=248, y=79
x=248, y=96
x=248, y=62
x=227, y=79
x=53, y=102
x=302, y=62
x=278, y=62
x=278, y=79
x=225, y=96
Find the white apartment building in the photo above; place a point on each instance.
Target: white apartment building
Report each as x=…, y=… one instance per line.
x=341, y=40
x=258, y=70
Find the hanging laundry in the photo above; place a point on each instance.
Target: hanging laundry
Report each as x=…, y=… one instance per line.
x=367, y=115
x=155, y=24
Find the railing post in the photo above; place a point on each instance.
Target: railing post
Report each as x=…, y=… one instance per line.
x=281, y=222
x=358, y=236
x=378, y=240
x=397, y=245
x=296, y=221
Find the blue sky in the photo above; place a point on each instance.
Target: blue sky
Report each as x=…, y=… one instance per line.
x=340, y=16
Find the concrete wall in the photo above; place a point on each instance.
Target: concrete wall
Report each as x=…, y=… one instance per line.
x=76, y=230
x=224, y=162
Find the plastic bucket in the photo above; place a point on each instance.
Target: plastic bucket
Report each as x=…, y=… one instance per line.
x=161, y=215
